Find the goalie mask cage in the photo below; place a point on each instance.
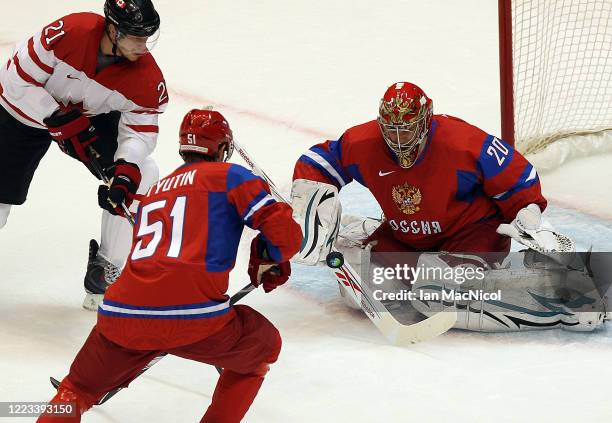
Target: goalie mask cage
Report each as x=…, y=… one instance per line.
x=556, y=74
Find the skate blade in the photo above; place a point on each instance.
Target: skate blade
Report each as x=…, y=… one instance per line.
x=92, y=301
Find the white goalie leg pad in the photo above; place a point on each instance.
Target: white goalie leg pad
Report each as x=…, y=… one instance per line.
x=358, y=258
x=316, y=208
x=116, y=237
x=5, y=210
x=519, y=298
x=353, y=231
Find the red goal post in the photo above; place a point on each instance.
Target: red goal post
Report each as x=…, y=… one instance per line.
x=556, y=73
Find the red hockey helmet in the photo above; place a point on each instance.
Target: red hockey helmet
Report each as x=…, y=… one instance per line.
x=404, y=117
x=205, y=132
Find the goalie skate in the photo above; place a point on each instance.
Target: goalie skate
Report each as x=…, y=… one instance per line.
x=100, y=275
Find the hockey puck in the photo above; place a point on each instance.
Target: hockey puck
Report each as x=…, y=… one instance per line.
x=335, y=259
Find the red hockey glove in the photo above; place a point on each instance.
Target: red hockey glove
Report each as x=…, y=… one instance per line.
x=264, y=271
x=73, y=132
x=124, y=184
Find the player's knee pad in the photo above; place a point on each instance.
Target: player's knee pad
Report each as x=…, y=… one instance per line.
x=261, y=370
x=274, y=345
x=260, y=336
x=5, y=210
x=150, y=174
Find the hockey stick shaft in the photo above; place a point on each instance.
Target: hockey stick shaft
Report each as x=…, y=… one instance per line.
x=259, y=171
x=233, y=300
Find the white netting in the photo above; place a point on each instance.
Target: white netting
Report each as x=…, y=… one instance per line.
x=562, y=54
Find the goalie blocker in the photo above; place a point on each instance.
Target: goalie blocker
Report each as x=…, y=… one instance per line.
x=317, y=209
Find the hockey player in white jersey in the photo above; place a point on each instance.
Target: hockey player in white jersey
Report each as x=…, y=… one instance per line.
x=90, y=84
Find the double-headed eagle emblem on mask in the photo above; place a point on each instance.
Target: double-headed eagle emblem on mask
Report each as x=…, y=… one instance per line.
x=407, y=198
x=395, y=110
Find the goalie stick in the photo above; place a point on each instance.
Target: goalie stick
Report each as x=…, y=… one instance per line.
x=396, y=332
x=233, y=300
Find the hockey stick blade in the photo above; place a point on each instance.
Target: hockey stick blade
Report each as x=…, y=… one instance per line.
x=396, y=333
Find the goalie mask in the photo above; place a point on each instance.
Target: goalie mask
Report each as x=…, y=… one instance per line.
x=404, y=117
x=206, y=132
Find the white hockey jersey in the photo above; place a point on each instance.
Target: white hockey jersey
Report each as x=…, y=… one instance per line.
x=56, y=68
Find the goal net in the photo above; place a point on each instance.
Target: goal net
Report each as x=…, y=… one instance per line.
x=556, y=76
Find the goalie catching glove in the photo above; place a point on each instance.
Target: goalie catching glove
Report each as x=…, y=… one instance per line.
x=531, y=230
x=73, y=133
x=122, y=189
x=263, y=270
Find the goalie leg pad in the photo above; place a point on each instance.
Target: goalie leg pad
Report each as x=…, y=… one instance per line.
x=353, y=233
x=518, y=299
x=358, y=257
x=316, y=208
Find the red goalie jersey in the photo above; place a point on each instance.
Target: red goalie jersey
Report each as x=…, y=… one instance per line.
x=463, y=176
x=172, y=290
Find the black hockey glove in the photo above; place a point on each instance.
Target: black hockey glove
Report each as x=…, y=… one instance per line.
x=73, y=132
x=124, y=184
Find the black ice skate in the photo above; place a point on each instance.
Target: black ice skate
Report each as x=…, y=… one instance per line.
x=100, y=274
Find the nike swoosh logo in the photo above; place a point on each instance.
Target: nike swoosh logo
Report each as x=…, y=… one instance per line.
x=73, y=77
x=381, y=173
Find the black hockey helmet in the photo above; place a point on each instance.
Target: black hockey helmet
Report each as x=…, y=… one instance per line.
x=132, y=17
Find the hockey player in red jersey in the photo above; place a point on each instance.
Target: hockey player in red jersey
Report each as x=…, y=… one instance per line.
x=86, y=82
x=442, y=184
x=171, y=295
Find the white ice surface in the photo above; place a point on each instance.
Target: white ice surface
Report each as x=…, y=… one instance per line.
x=287, y=75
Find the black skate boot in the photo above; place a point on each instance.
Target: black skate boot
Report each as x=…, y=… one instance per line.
x=100, y=274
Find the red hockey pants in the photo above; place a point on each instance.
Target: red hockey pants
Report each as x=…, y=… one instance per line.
x=244, y=348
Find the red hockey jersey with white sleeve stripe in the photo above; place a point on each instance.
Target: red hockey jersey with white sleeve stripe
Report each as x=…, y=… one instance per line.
x=56, y=68
x=463, y=176
x=172, y=291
